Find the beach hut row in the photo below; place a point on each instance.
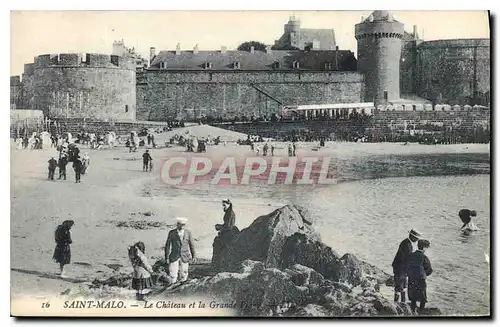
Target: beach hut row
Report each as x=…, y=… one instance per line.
x=428, y=107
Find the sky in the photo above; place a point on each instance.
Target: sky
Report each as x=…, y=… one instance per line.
x=44, y=32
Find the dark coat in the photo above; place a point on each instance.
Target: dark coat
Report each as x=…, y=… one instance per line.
x=419, y=266
x=400, y=262
x=146, y=157
x=62, y=252
x=176, y=248
x=52, y=164
x=229, y=220
x=78, y=165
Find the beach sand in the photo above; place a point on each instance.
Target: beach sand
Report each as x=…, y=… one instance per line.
x=115, y=189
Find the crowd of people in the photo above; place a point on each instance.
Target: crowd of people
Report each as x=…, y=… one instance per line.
x=69, y=153
x=179, y=251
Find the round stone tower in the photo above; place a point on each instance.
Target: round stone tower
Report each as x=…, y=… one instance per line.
x=96, y=86
x=379, y=52
x=292, y=30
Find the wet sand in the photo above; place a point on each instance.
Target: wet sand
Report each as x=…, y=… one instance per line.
x=115, y=189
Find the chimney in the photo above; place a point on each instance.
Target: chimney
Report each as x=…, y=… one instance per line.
x=415, y=32
x=252, y=49
x=268, y=49
x=178, y=49
x=362, y=18
x=223, y=49
x=195, y=49
x=336, y=48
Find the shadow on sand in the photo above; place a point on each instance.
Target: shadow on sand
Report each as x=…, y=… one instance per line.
x=49, y=275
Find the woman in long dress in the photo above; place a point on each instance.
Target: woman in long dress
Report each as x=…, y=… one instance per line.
x=62, y=252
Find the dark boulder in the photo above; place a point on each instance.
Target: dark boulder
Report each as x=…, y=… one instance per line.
x=264, y=239
x=308, y=251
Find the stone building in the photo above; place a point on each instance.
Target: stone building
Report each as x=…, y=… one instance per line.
x=70, y=85
x=296, y=38
x=304, y=66
x=191, y=84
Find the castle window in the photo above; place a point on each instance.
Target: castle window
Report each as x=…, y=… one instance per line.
x=236, y=65
x=163, y=65
x=126, y=108
x=328, y=65
x=296, y=65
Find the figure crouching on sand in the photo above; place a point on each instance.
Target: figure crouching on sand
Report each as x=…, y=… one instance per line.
x=141, y=278
x=179, y=251
x=62, y=251
x=419, y=267
x=400, y=265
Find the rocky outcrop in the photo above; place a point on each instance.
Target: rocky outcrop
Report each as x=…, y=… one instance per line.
x=295, y=291
x=264, y=239
x=286, y=237
x=278, y=266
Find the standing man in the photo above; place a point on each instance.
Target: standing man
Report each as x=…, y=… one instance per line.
x=78, y=167
x=400, y=265
x=146, y=158
x=63, y=161
x=179, y=251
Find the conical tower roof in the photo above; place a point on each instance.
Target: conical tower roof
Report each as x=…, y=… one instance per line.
x=380, y=16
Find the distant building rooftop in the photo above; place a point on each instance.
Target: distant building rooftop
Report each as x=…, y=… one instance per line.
x=342, y=60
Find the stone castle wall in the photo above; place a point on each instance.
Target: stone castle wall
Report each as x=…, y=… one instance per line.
x=163, y=95
x=451, y=71
x=383, y=125
x=70, y=85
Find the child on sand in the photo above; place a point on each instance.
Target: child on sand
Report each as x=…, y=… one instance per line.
x=141, y=279
x=52, y=167
x=419, y=267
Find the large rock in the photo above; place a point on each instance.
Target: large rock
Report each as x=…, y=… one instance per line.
x=255, y=290
x=308, y=251
x=264, y=239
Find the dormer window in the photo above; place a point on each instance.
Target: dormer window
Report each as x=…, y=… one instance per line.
x=296, y=65
x=236, y=65
x=208, y=65
x=328, y=65
x=163, y=65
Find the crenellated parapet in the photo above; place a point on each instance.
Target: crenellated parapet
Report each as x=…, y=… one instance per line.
x=93, y=60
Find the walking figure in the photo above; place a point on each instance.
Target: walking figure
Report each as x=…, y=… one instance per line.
x=146, y=161
x=52, y=167
x=62, y=251
x=63, y=161
x=78, y=167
